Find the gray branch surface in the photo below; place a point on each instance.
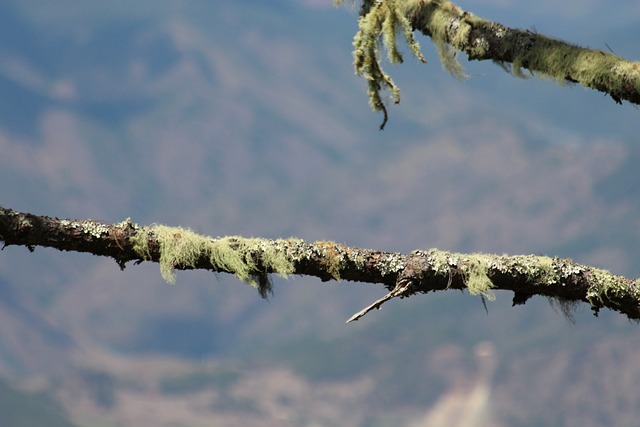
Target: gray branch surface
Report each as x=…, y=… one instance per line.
x=253, y=260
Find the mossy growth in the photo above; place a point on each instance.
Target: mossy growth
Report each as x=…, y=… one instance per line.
x=564, y=62
x=604, y=286
x=539, y=270
x=249, y=259
x=476, y=270
x=379, y=24
x=332, y=259
x=444, y=21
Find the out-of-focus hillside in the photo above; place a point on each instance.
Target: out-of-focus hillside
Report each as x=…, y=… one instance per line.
x=245, y=118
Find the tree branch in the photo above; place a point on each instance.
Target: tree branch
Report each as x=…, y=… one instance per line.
x=252, y=260
x=482, y=40
x=455, y=30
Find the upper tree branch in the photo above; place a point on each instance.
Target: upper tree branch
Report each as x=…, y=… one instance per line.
x=455, y=30
x=252, y=260
x=481, y=39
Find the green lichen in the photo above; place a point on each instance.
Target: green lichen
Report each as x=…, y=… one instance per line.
x=379, y=24
x=250, y=260
x=476, y=270
x=604, y=285
x=474, y=267
x=539, y=270
x=453, y=30
x=440, y=261
x=562, y=62
x=358, y=259
x=545, y=272
x=332, y=257
x=448, y=30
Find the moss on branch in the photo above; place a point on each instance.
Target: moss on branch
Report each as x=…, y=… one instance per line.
x=454, y=30
x=249, y=259
x=253, y=260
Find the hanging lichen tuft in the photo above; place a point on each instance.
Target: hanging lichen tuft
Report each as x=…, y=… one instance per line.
x=251, y=260
x=380, y=22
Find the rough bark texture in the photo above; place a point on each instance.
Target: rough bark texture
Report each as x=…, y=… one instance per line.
x=252, y=260
x=481, y=39
x=454, y=30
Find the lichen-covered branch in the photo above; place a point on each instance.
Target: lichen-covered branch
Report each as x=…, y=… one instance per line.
x=252, y=260
x=455, y=30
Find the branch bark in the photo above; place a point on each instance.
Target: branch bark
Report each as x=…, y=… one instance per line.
x=482, y=40
x=252, y=260
x=455, y=30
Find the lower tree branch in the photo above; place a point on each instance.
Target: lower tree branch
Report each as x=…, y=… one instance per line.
x=252, y=260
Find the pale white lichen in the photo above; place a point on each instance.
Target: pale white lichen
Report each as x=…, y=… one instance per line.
x=393, y=264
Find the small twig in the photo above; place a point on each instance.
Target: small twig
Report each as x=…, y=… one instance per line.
x=252, y=260
x=401, y=288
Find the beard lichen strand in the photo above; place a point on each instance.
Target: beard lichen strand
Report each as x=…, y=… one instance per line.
x=250, y=260
x=378, y=25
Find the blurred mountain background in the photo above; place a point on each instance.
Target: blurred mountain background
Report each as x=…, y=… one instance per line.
x=245, y=118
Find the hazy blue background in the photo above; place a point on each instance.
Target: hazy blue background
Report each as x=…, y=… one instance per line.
x=245, y=118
